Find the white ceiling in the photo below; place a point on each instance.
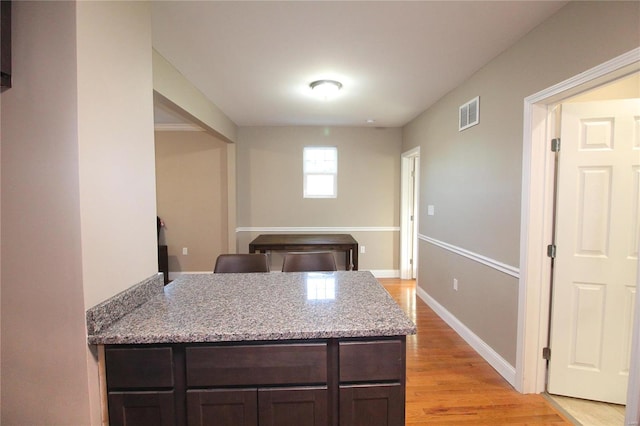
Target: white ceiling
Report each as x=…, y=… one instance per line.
x=255, y=60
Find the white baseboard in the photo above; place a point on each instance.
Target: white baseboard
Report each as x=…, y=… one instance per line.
x=385, y=273
x=505, y=369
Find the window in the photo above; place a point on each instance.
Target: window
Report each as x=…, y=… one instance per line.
x=320, y=169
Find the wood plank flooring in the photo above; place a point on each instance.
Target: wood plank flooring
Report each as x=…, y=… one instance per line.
x=591, y=413
x=448, y=383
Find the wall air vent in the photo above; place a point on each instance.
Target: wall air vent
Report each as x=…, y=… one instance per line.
x=469, y=114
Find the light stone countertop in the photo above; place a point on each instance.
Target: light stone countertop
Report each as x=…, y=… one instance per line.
x=262, y=306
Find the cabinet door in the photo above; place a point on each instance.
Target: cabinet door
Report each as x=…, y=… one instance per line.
x=228, y=407
x=372, y=405
x=153, y=408
x=302, y=406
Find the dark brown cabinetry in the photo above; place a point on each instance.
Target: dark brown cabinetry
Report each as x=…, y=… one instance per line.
x=381, y=404
x=263, y=406
x=262, y=367
x=320, y=382
x=152, y=408
x=223, y=406
x=141, y=386
x=293, y=406
x=372, y=382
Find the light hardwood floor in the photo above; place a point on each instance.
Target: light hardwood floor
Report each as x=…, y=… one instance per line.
x=591, y=413
x=448, y=383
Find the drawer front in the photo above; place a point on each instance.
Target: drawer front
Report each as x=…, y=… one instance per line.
x=257, y=365
x=372, y=361
x=133, y=368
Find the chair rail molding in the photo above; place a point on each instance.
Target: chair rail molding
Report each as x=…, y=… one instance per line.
x=487, y=261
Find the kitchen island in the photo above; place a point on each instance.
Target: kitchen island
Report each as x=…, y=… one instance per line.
x=261, y=348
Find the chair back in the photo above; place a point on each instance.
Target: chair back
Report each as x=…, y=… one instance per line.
x=229, y=263
x=309, y=262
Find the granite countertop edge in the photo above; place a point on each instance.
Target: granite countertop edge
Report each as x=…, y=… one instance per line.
x=137, y=339
x=161, y=319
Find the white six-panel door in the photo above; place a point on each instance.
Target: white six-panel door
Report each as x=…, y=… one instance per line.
x=597, y=241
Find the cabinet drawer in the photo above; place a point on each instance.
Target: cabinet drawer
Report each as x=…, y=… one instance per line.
x=256, y=365
x=133, y=368
x=371, y=361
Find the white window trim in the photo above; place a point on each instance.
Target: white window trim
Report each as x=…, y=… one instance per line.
x=306, y=174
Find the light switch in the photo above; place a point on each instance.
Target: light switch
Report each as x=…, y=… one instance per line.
x=431, y=210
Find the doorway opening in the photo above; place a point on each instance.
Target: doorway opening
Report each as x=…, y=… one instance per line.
x=536, y=226
x=409, y=214
x=596, y=239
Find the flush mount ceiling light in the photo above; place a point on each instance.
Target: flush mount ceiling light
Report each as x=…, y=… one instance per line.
x=325, y=88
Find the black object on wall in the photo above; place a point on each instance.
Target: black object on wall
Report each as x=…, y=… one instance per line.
x=5, y=44
x=163, y=262
x=163, y=256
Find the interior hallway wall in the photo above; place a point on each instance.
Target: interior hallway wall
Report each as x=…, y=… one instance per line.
x=191, y=186
x=0, y=257
x=78, y=196
x=116, y=146
x=44, y=371
x=474, y=178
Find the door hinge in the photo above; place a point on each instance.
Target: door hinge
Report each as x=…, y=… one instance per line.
x=555, y=145
x=551, y=251
x=546, y=353
x=410, y=261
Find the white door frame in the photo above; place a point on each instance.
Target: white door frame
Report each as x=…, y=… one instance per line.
x=408, y=239
x=537, y=193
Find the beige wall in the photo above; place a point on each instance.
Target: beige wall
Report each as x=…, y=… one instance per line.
x=0, y=258
x=192, y=181
x=232, y=198
x=177, y=93
x=116, y=145
x=269, y=186
x=473, y=178
x=78, y=196
x=43, y=332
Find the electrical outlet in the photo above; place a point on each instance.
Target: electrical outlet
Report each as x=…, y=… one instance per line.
x=362, y=249
x=185, y=251
x=455, y=284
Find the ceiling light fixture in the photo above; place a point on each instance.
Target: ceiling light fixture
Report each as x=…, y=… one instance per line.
x=326, y=88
